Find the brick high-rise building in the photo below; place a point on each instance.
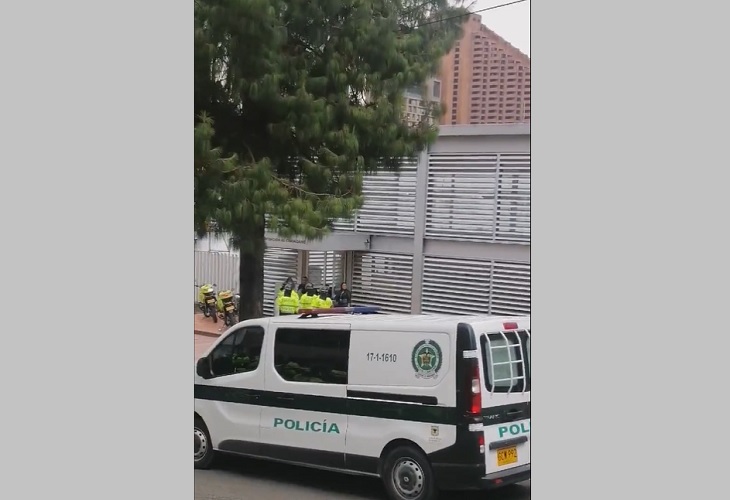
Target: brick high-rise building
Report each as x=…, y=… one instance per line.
x=484, y=79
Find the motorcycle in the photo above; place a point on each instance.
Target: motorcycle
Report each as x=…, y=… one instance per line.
x=227, y=309
x=207, y=301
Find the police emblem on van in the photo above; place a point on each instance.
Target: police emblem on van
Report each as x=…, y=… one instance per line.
x=426, y=359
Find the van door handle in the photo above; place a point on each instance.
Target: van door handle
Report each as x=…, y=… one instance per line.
x=516, y=411
x=496, y=445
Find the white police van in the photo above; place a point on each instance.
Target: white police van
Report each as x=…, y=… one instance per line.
x=426, y=403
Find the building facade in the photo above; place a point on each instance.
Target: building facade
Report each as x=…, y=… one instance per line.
x=484, y=79
x=448, y=233
x=418, y=101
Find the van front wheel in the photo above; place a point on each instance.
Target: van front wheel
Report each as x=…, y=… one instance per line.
x=203, y=445
x=407, y=475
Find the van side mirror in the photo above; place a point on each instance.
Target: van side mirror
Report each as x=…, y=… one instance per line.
x=203, y=367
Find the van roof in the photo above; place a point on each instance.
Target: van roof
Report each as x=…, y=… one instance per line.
x=424, y=322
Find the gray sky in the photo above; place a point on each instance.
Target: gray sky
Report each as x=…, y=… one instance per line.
x=511, y=23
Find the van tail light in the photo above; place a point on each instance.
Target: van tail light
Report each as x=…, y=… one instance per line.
x=475, y=405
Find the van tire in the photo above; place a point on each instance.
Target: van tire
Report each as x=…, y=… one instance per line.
x=203, y=443
x=404, y=467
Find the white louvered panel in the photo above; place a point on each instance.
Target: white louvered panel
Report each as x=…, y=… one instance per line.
x=460, y=203
x=513, y=199
x=219, y=268
x=511, y=288
x=279, y=264
x=383, y=280
x=389, y=202
x=325, y=269
x=455, y=286
x=344, y=225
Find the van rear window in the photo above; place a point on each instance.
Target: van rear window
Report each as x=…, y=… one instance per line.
x=506, y=365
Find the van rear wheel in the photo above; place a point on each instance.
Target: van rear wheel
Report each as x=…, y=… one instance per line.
x=408, y=476
x=203, y=445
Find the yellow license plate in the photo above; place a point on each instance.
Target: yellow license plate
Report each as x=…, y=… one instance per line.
x=211, y=301
x=229, y=308
x=506, y=456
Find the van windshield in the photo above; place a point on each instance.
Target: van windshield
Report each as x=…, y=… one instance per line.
x=506, y=361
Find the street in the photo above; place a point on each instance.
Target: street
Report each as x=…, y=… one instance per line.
x=244, y=479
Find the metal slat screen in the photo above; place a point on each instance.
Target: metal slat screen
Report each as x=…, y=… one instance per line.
x=510, y=288
x=325, y=268
x=469, y=286
x=279, y=264
x=513, y=199
x=383, y=280
x=479, y=197
x=460, y=203
x=390, y=203
x=220, y=268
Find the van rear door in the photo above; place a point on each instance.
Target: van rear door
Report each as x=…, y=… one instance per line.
x=504, y=360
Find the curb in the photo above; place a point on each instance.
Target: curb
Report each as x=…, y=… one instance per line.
x=207, y=334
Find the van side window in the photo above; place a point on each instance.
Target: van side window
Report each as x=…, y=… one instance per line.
x=238, y=353
x=504, y=363
x=314, y=356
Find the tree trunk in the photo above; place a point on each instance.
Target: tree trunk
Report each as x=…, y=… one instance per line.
x=251, y=275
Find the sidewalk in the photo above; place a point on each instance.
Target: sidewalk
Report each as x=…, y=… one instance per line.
x=206, y=332
x=205, y=326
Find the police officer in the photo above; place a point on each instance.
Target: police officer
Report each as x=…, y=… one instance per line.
x=323, y=300
x=306, y=301
x=281, y=288
x=302, y=288
x=288, y=301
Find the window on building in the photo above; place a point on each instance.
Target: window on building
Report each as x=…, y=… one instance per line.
x=436, y=89
x=312, y=355
x=238, y=353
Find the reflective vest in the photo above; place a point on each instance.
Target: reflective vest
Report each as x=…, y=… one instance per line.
x=322, y=303
x=307, y=301
x=288, y=305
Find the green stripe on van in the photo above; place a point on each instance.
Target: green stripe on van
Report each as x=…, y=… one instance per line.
x=326, y=404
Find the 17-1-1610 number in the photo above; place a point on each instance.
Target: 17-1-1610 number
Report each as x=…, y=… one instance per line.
x=382, y=357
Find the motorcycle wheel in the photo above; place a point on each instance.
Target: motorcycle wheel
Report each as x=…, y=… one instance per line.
x=214, y=315
x=206, y=311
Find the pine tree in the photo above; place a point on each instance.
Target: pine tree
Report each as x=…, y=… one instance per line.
x=305, y=97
